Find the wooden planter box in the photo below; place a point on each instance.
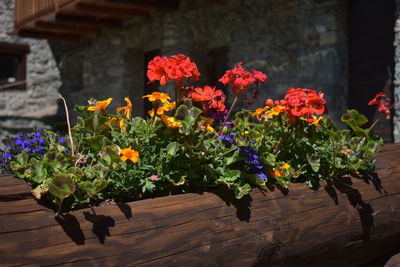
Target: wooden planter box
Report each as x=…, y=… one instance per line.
x=349, y=223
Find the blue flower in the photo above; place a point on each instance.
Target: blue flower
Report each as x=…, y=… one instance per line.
x=252, y=160
x=228, y=138
x=61, y=139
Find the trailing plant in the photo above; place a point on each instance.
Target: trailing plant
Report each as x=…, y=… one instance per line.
x=193, y=143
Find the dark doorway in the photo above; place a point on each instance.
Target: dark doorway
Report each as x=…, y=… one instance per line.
x=149, y=87
x=371, y=57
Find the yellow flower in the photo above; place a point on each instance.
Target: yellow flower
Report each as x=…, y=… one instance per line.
x=316, y=120
x=163, y=97
x=170, y=121
x=285, y=165
x=127, y=109
x=259, y=112
x=207, y=124
x=160, y=111
x=101, y=105
x=275, y=110
x=169, y=106
x=245, y=133
x=128, y=153
x=258, y=139
x=166, y=107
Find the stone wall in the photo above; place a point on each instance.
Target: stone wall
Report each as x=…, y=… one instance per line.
x=396, y=93
x=297, y=43
x=23, y=109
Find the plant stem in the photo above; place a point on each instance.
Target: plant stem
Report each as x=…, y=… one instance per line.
x=369, y=129
x=59, y=207
x=229, y=113
x=68, y=124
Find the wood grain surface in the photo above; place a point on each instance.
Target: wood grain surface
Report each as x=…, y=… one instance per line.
x=349, y=222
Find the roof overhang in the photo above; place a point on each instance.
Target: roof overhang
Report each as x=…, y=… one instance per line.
x=68, y=20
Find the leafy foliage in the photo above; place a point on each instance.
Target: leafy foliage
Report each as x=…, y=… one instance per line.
x=123, y=158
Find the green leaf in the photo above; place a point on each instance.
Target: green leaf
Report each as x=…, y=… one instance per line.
x=93, y=188
x=242, y=190
x=148, y=186
x=96, y=143
x=188, y=117
x=39, y=172
x=229, y=177
x=171, y=149
x=62, y=185
x=354, y=119
x=314, y=162
x=232, y=159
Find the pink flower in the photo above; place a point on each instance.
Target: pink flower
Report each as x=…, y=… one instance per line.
x=154, y=177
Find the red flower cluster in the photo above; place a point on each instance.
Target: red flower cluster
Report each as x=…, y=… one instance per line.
x=301, y=102
x=174, y=68
x=384, y=103
x=213, y=99
x=305, y=102
x=241, y=79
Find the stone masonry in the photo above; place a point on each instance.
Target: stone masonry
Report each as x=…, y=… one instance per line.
x=396, y=118
x=297, y=43
x=23, y=109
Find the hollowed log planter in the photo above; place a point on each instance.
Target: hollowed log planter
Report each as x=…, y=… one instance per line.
x=348, y=223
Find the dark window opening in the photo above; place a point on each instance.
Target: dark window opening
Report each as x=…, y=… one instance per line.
x=149, y=87
x=217, y=65
x=371, y=54
x=13, y=65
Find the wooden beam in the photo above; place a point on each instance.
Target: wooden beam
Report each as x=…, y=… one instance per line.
x=111, y=10
x=65, y=27
x=86, y=21
x=40, y=34
x=151, y=4
x=352, y=222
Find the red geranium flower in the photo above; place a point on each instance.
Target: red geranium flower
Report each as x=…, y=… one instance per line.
x=241, y=79
x=384, y=104
x=213, y=98
x=174, y=68
x=156, y=70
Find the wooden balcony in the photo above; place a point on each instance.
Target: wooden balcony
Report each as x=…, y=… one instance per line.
x=68, y=20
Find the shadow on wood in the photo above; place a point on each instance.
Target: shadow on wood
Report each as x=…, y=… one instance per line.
x=351, y=221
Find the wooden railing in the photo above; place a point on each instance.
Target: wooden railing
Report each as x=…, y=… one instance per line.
x=29, y=10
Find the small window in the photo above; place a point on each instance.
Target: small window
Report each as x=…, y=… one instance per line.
x=217, y=65
x=13, y=65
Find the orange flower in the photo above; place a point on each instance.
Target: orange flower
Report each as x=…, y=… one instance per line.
x=101, y=105
x=170, y=121
x=259, y=112
x=278, y=173
x=128, y=153
x=207, y=124
x=276, y=110
x=127, y=109
x=114, y=122
x=163, y=97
